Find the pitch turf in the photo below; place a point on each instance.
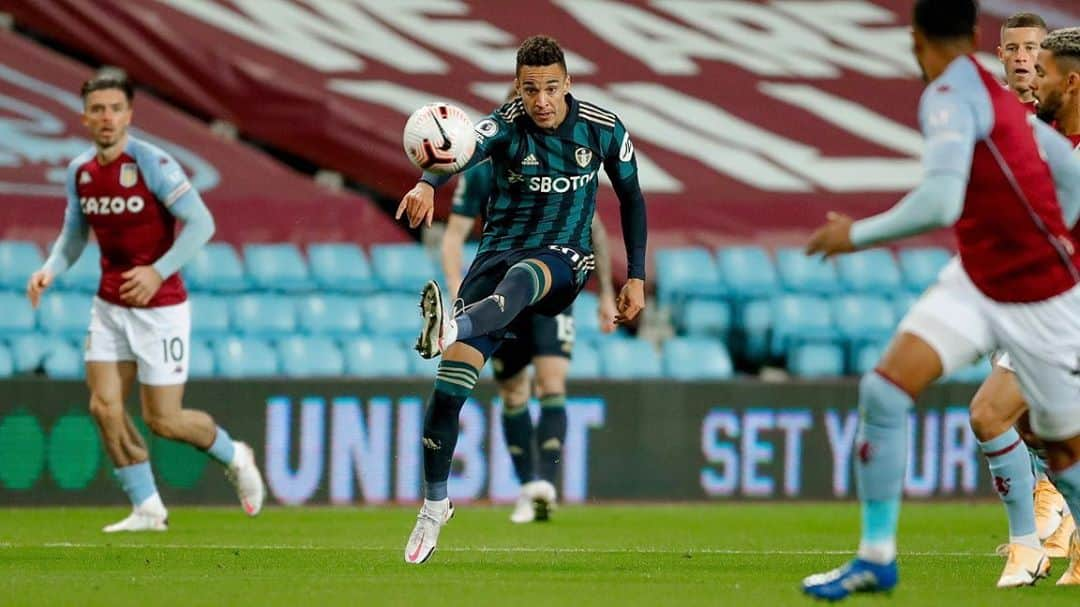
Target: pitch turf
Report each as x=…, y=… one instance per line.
x=719, y=554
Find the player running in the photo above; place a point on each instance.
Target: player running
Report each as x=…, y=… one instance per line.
x=546, y=342
x=546, y=149
x=998, y=176
x=131, y=193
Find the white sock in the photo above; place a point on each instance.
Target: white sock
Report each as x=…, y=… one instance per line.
x=1030, y=540
x=881, y=552
x=152, y=504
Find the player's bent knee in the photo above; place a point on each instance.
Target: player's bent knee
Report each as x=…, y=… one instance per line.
x=986, y=422
x=165, y=426
x=103, y=409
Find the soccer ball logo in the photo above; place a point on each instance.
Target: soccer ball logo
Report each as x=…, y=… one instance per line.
x=439, y=138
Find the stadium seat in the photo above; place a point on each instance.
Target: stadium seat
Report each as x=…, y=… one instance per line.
x=376, y=357
x=245, y=357
x=201, y=360
x=28, y=352
x=7, y=363
x=303, y=356
x=863, y=318
x=64, y=361
x=902, y=302
x=18, y=260
x=586, y=362
x=802, y=274
x=403, y=267
x=800, y=318
x=972, y=374
x=754, y=322
x=629, y=359
x=216, y=267
x=704, y=317
x=690, y=358
x=866, y=356
x=921, y=265
x=425, y=367
x=263, y=315
x=341, y=267
x=335, y=315
x=586, y=315
x=684, y=273
x=85, y=273
x=392, y=314
x=748, y=272
x=816, y=360
x=209, y=316
x=64, y=313
x=277, y=267
x=872, y=271
x=16, y=315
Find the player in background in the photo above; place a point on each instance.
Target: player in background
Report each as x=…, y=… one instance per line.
x=131, y=193
x=998, y=176
x=546, y=149
x=545, y=341
x=1021, y=35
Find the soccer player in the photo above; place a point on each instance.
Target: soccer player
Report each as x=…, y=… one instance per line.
x=545, y=341
x=998, y=175
x=1021, y=35
x=131, y=193
x=546, y=149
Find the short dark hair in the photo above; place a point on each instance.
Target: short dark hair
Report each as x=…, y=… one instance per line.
x=540, y=51
x=108, y=79
x=946, y=19
x=1023, y=20
x=1065, y=44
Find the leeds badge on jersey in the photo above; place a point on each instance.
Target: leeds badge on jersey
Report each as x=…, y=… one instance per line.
x=129, y=174
x=583, y=156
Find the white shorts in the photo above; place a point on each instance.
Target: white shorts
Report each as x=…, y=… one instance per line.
x=946, y=317
x=157, y=339
x=1003, y=362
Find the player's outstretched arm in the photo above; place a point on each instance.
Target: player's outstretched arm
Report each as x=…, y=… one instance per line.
x=67, y=248
x=600, y=246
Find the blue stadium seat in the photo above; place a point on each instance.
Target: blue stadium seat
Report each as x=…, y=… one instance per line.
x=201, y=360
x=29, y=351
x=863, y=318
x=425, y=367
x=755, y=324
x=65, y=313
x=341, y=267
x=684, y=273
x=85, y=273
x=334, y=315
x=209, y=316
x=7, y=362
x=376, y=357
x=802, y=274
x=18, y=260
x=586, y=362
x=263, y=315
x=921, y=265
x=972, y=374
x=16, y=315
x=277, y=267
x=245, y=357
x=310, y=357
x=216, y=267
x=392, y=314
x=689, y=358
x=403, y=267
x=816, y=360
x=902, y=302
x=64, y=361
x=799, y=319
x=586, y=315
x=870, y=271
x=704, y=317
x=629, y=359
x=866, y=356
x=748, y=272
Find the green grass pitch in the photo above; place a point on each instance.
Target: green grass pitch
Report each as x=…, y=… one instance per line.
x=718, y=554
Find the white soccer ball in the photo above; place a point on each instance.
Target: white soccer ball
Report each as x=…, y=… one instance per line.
x=439, y=138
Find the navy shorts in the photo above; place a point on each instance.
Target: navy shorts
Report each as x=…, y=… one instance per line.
x=533, y=335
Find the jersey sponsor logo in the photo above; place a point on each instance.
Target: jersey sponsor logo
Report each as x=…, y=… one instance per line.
x=129, y=174
x=583, y=156
x=626, y=150
x=530, y=161
x=546, y=184
x=104, y=205
x=84, y=177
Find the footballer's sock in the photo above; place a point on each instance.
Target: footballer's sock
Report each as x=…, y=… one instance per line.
x=522, y=286
x=1038, y=466
x=1010, y=469
x=137, y=481
x=551, y=434
x=881, y=447
x=454, y=381
x=222, y=448
x=1068, y=483
x=518, y=429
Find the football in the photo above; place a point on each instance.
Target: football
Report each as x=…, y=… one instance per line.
x=439, y=138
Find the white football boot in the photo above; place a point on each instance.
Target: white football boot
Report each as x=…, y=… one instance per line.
x=244, y=474
x=1024, y=566
x=542, y=498
x=425, y=535
x=150, y=515
x=439, y=329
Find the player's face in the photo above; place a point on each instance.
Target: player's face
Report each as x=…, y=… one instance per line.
x=543, y=90
x=106, y=114
x=1018, y=52
x=1056, y=89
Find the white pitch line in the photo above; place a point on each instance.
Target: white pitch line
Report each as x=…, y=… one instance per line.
x=485, y=549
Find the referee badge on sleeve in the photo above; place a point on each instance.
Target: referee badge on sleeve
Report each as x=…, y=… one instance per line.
x=129, y=174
